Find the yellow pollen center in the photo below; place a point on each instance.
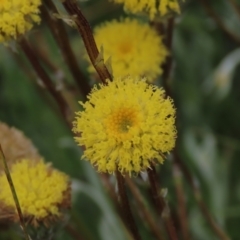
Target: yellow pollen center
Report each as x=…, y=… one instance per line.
x=125, y=47
x=121, y=121
x=1, y=3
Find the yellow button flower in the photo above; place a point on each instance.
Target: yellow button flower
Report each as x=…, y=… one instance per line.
x=152, y=7
x=42, y=191
x=125, y=125
x=135, y=48
x=17, y=17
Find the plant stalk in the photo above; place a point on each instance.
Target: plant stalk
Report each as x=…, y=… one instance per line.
x=208, y=8
x=167, y=66
x=88, y=39
x=182, y=211
x=198, y=196
x=126, y=206
x=60, y=35
x=160, y=204
x=42, y=74
x=14, y=194
x=235, y=6
x=146, y=213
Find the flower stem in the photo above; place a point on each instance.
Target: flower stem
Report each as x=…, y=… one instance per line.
x=126, y=206
x=145, y=212
x=72, y=231
x=182, y=212
x=42, y=74
x=218, y=21
x=235, y=6
x=160, y=204
x=168, y=64
x=14, y=194
x=198, y=196
x=43, y=55
x=88, y=39
x=59, y=33
x=113, y=196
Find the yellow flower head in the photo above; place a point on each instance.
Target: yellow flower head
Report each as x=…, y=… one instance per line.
x=125, y=125
x=17, y=17
x=42, y=191
x=135, y=48
x=152, y=7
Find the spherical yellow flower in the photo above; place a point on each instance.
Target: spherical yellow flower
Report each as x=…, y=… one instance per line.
x=17, y=17
x=41, y=190
x=152, y=7
x=125, y=125
x=135, y=48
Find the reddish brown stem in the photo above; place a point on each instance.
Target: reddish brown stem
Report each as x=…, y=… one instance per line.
x=42, y=74
x=147, y=216
x=88, y=39
x=161, y=206
x=168, y=64
x=60, y=35
x=44, y=57
x=126, y=206
x=113, y=195
x=182, y=212
x=198, y=196
x=75, y=234
x=219, y=21
x=32, y=77
x=14, y=194
x=235, y=6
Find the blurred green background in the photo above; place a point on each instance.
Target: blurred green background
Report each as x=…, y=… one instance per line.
x=206, y=89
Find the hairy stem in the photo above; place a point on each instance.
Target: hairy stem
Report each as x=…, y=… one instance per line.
x=152, y=223
x=14, y=194
x=219, y=21
x=198, y=196
x=88, y=39
x=42, y=74
x=168, y=64
x=60, y=35
x=182, y=212
x=235, y=6
x=74, y=233
x=160, y=204
x=126, y=206
x=113, y=196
